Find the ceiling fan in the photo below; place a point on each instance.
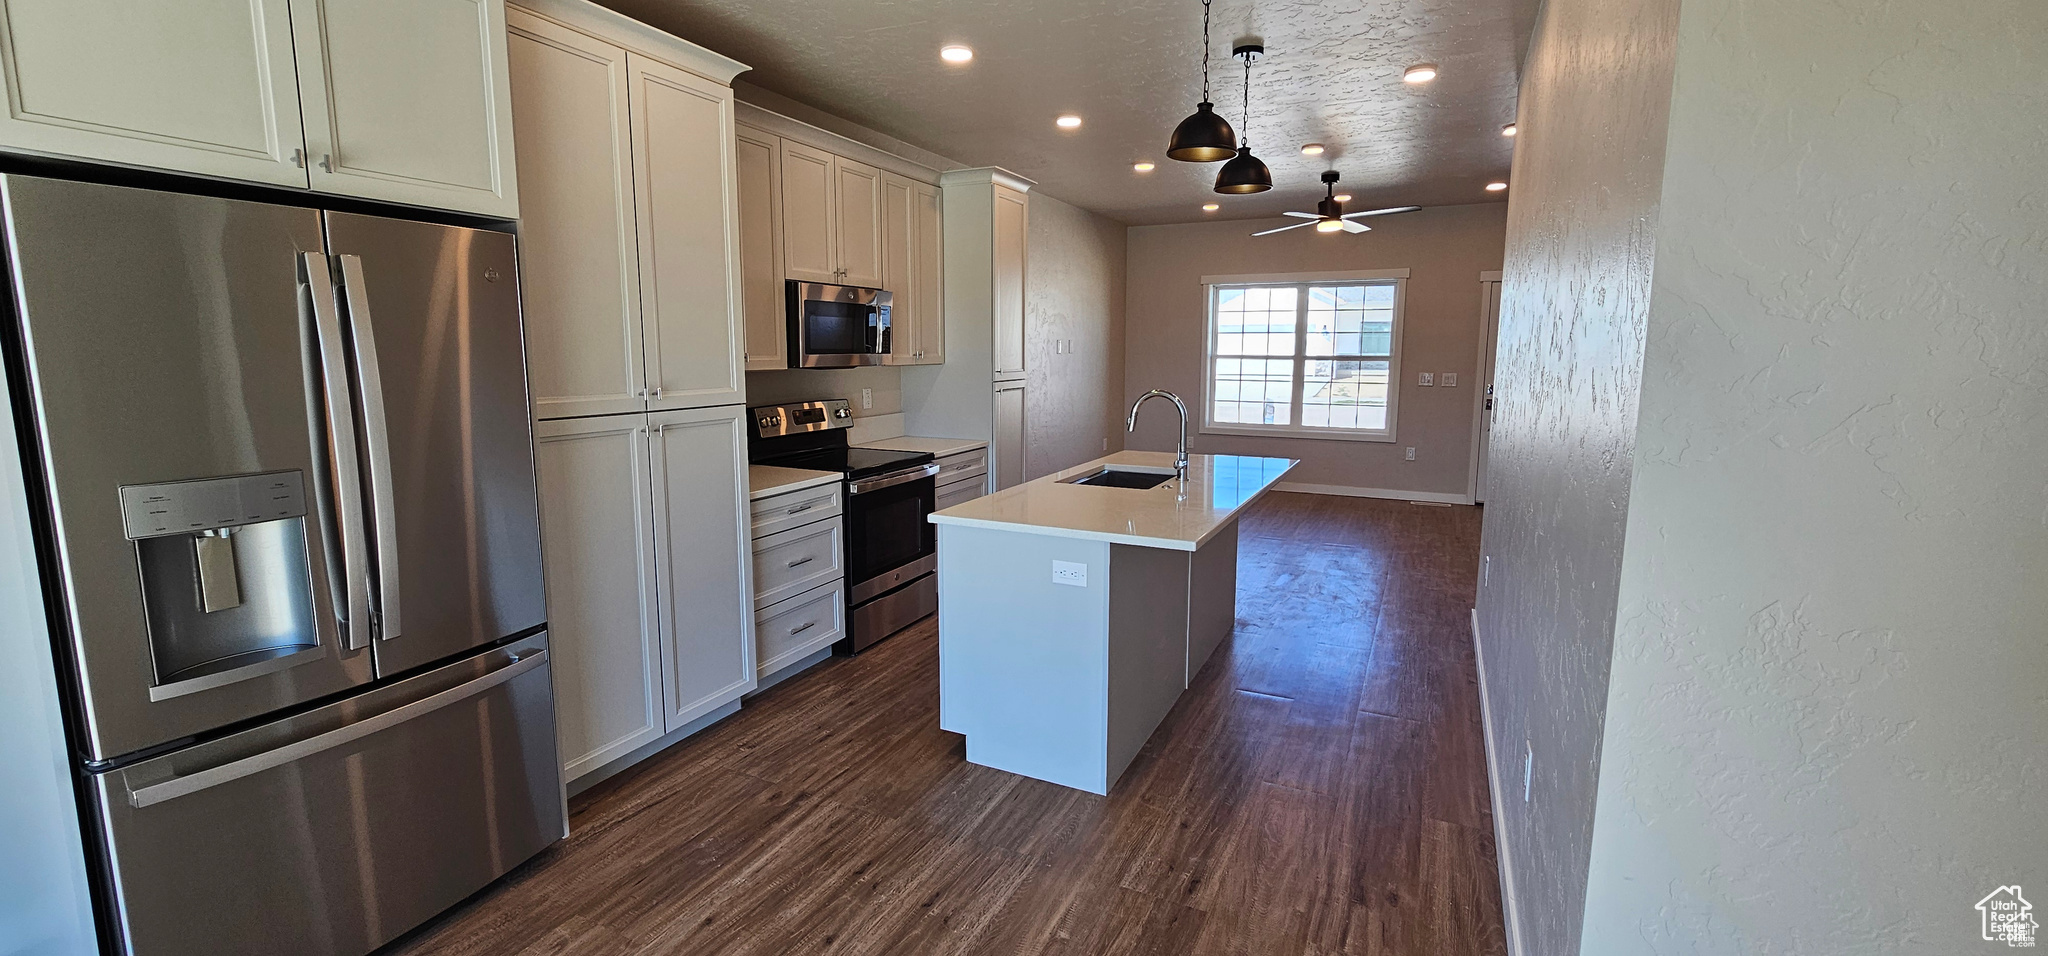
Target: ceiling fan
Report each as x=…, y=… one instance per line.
x=1330, y=215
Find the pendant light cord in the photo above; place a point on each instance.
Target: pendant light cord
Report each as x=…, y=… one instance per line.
x=1205, y=51
x=1248, y=99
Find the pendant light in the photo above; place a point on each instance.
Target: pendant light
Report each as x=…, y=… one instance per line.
x=1203, y=137
x=1245, y=173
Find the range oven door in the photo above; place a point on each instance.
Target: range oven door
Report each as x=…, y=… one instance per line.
x=836, y=326
x=888, y=539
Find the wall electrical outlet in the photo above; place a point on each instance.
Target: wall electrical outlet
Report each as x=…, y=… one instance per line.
x=1450, y=380
x=1073, y=574
x=1105, y=444
x=1425, y=378
x=867, y=398
x=1411, y=453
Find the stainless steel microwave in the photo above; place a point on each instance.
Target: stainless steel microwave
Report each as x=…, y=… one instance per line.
x=837, y=326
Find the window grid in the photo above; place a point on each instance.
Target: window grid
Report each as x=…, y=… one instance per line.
x=1303, y=358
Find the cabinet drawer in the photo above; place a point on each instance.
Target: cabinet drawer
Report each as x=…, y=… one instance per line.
x=799, y=626
x=801, y=507
x=959, y=492
x=965, y=465
x=796, y=560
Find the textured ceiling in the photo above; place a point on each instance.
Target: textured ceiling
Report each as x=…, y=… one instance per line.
x=1332, y=74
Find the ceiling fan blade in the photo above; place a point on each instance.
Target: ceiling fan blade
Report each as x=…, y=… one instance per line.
x=1297, y=225
x=1302, y=215
x=1356, y=227
x=1390, y=210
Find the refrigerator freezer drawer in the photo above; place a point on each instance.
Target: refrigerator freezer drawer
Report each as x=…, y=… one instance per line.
x=336, y=830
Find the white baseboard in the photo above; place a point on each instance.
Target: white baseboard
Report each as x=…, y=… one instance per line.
x=612, y=769
x=1510, y=908
x=1433, y=497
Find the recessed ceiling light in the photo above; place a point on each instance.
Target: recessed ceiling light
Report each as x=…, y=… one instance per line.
x=1342, y=197
x=1495, y=187
x=955, y=53
x=1210, y=207
x=1312, y=149
x=1420, y=73
x=1067, y=121
x=1508, y=130
x=1143, y=167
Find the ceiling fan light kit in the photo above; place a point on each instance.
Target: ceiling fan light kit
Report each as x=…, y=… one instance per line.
x=1330, y=215
x=1245, y=173
x=1204, y=137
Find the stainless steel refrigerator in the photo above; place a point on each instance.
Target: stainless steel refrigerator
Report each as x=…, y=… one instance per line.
x=282, y=487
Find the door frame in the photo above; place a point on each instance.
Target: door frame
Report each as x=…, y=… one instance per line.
x=1489, y=344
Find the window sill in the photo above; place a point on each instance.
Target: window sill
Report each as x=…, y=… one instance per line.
x=1285, y=431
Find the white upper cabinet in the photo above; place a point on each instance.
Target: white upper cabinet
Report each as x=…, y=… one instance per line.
x=810, y=235
x=857, y=202
x=689, y=236
x=408, y=101
x=579, y=243
x=1012, y=227
x=911, y=270
x=200, y=86
x=928, y=285
x=703, y=530
x=759, y=158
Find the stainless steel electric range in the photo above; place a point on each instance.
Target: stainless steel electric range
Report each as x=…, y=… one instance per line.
x=891, y=549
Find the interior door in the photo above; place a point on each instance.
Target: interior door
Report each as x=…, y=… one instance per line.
x=689, y=236
x=408, y=101
x=171, y=338
x=433, y=314
x=578, y=238
x=758, y=158
x=809, y=235
x=857, y=212
x=201, y=86
x=899, y=267
x=597, y=524
x=702, y=530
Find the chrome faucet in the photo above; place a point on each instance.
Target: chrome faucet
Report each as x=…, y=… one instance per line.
x=1180, y=461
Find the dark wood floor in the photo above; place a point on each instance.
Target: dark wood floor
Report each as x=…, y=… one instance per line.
x=1320, y=790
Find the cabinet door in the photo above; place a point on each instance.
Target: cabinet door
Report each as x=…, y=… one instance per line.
x=701, y=533
x=857, y=208
x=929, y=269
x=899, y=266
x=408, y=101
x=597, y=536
x=1011, y=226
x=809, y=240
x=759, y=158
x=1007, y=449
x=577, y=243
x=689, y=236
x=201, y=86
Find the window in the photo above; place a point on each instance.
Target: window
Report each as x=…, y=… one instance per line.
x=1309, y=356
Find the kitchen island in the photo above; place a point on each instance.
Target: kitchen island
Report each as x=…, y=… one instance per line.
x=1074, y=609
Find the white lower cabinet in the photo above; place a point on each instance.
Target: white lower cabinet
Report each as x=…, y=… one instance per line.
x=650, y=604
x=597, y=528
x=790, y=630
x=1006, y=449
x=799, y=575
x=701, y=533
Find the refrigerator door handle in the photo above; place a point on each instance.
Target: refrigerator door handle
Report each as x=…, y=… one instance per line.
x=376, y=442
x=298, y=750
x=343, y=492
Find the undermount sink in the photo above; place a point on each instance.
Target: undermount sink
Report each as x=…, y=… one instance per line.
x=1122, y=478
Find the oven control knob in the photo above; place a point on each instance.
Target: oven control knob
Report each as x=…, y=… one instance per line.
x=764, y=422
x=841, y=413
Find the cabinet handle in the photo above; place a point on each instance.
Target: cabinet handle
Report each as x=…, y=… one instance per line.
x=799, y=509
x=327, y=162
x=800, y=562
x=299, y=158
x=657, y=393
x=800, y=628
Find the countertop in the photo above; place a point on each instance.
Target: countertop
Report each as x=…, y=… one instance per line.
x=765, y=480
x=939, y=447
x=1218, y=488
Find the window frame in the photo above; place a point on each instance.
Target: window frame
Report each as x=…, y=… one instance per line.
x=1398, y=278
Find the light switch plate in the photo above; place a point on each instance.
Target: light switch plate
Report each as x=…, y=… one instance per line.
x=1425, y=378
x=1450, y=380
x=1073, y=574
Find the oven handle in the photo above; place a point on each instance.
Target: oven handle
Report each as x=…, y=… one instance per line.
x=891, y=481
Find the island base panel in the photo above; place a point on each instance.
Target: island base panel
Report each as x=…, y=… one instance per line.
x=1212, y=598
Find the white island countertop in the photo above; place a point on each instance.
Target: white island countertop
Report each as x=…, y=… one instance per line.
x=1218, y=489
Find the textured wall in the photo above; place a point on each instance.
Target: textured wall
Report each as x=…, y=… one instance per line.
x=1828, y=723
x=1445, y=248
x=1575, y=302
x=1074, y=292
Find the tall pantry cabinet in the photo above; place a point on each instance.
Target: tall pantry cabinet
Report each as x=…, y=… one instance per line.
x=630, y=269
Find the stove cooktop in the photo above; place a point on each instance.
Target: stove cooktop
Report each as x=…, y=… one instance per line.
x=851, y=462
